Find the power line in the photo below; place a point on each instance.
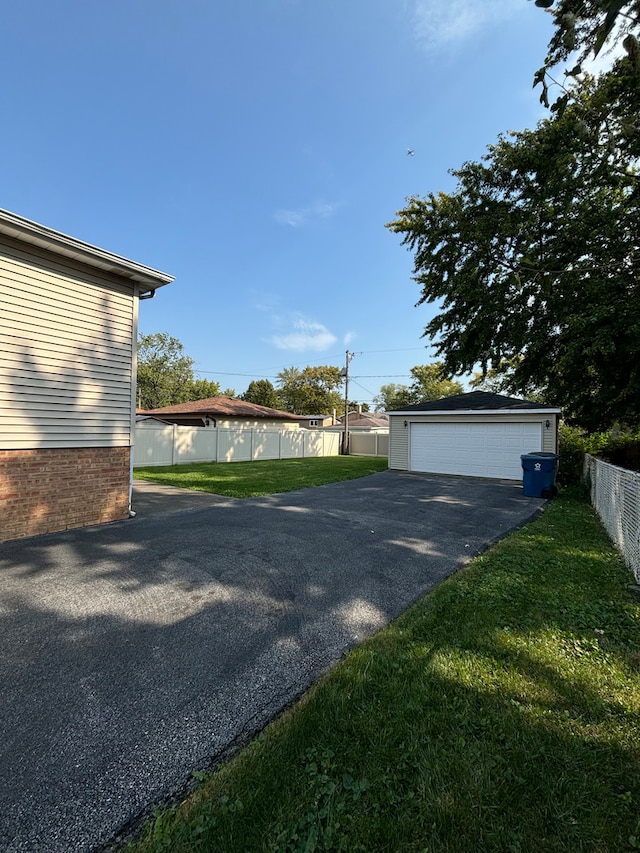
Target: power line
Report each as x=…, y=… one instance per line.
x=257, y=373
x=325, y=358
x=404, y=349
x=223, y=373
x=355, y=382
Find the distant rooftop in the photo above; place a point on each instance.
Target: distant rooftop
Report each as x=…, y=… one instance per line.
x=223, y=406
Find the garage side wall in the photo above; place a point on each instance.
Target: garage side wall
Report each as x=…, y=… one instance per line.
x=399, y=434
x=398, y=444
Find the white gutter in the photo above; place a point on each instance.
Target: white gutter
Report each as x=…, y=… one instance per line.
x=61, y=244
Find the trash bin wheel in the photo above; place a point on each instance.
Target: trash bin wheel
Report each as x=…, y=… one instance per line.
x=547, y=494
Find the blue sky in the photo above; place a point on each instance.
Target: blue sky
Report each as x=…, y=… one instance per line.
x=255, y=150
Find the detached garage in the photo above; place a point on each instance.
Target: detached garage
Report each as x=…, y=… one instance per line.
x=474, y=435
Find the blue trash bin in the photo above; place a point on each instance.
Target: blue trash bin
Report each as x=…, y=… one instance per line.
x=539, y=474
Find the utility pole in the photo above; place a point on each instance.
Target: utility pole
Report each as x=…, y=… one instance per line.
x=345, y=373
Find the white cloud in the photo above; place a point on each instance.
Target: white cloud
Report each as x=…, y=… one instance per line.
x=440, y=23
x=305, y=335
x=605, y=59
x=303, y=215
x=265, y=302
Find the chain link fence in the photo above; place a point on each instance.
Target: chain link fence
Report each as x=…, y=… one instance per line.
x=615, y=495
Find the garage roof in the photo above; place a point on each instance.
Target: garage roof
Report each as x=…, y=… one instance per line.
x=476, y=401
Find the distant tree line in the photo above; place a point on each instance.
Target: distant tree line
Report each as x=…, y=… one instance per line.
x=166, y=377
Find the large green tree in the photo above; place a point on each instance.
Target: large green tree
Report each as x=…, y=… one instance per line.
x=534, y=259
x=262, y=393
x=430, y=382
x=202, y=389
x=393, y=396
x=165, y=372
x=311, y=391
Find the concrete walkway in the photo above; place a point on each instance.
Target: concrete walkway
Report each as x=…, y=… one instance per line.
x=155, y=498
x=135, y=653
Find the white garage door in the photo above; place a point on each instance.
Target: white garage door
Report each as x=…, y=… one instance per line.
x=474, y=450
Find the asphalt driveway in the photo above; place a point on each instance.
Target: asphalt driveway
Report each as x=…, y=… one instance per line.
x=135, y=653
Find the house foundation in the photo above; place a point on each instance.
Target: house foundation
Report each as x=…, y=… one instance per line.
x=47, y=490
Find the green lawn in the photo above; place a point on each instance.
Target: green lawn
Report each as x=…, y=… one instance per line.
x=500, y=713
x=251, y=479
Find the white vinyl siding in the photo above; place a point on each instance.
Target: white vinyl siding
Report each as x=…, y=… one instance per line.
x=398, y=444
x=473, y=449
x=550, y=436
x=67, y=349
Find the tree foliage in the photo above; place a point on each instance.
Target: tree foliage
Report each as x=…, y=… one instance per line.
x=262, y=393
x=535, y=257
x=430, y=382
x=583, y=30
x=311, y=391
x=392, y=396
x=202, y=389
x=584, y=27
x=165, y=374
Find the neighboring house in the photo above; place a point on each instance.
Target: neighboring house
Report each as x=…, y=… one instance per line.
x=316, y=421
x=68, y=330
x=368, y=423
x=366, y=420
x=225, y=413
x=478, y=434
x=142, y=418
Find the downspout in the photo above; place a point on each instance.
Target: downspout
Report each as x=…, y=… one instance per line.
x=131, y=512
x=134, y=376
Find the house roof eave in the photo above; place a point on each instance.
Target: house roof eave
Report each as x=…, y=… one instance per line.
x=38, y=235
x=520, y=411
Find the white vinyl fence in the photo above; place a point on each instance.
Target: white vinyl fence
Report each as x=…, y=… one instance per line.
x=369, y=443
x=168, y=444
x=615, y=495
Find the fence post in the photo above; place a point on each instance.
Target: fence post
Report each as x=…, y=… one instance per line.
x=173, y=445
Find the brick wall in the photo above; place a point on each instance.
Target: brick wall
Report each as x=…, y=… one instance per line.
x=42, y=491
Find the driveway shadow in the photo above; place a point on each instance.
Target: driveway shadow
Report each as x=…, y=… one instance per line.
x=135, y=653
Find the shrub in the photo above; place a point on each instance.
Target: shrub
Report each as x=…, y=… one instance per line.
x=622, y=450
x=573, y=443
x=618, y=447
